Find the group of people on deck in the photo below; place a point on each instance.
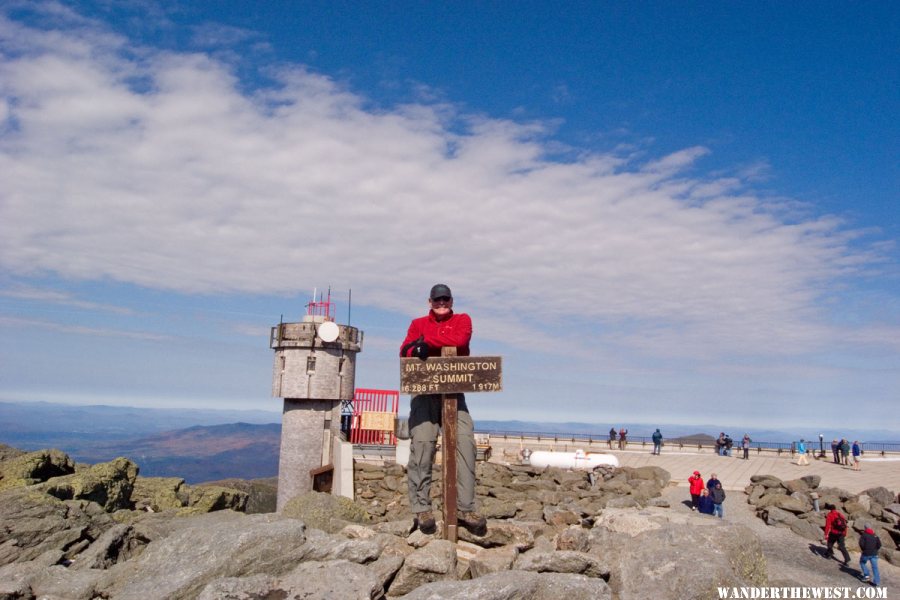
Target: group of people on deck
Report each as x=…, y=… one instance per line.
x=842, y=451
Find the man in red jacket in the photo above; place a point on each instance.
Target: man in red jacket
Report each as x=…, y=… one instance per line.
x=426, y=336
x=836, y=531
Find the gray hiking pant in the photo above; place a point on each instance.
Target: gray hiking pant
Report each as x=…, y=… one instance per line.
x=424, y=424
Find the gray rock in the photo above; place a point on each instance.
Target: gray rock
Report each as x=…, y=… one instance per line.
x=385, y=568
x=329, y=580
x=59, y=582
x=659, y=476
x=775, y=516
x=806, y=529
x=159, y=493
x=498, y=509
x=261, y=493
x=796, y=485
x=812, y=481
x=833, y=492
x=323, y=547
x=757, y=492
x=210, y=498
x=566, y=561
x=242, y=588
x=685, y=552
x=8, y=452
x=769, y=481
x=492, y=560
x=881, y=495
x=206, y=548
x=784, y=502
x=623, y=502
x=434, y=562
x=560, y=517
x=117, y=544
x=574, y=538
x=108, y=484
x=324, y=511
x=28, y=468
x=33, y=523
x=400, y=528
x=516, y=585
x=502, y=533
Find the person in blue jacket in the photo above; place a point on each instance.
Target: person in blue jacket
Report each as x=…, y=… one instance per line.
x=706, y=505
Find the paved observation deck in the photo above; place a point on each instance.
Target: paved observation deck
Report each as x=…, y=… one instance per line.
x=734, y=472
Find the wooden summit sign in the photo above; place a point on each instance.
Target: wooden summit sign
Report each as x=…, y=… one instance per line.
x=451, y=375
x=447, y=376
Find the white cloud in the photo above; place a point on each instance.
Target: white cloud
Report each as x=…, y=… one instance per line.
x=61, y=298
x=154, y=168
x=14, y=322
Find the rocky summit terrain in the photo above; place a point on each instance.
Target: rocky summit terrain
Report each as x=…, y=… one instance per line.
x=71, y=531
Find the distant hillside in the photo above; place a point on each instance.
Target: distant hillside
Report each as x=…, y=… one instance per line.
x=238, y=450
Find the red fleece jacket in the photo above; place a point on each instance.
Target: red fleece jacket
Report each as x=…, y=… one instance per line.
x=454, y=330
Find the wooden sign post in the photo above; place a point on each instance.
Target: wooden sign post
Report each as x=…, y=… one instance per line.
x=449, y=407
x=448, y=376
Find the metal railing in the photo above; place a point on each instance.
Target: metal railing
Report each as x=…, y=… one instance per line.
x=683, y=443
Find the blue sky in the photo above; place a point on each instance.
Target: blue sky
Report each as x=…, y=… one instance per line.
x=658, y=212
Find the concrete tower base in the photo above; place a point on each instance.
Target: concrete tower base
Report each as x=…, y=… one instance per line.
x=308, y=431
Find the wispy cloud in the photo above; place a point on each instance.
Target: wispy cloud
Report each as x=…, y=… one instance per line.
x=81, y=329
x=155, y=168
x=60, y=298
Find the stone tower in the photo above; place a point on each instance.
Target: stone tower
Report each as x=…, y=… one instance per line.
x=315, y=367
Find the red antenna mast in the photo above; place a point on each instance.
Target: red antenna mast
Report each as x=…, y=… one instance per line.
x=321, y=308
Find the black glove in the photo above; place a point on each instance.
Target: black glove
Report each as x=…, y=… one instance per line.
x=419, y=349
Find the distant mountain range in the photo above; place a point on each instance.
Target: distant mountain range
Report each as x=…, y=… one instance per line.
x=205, y=445
x=198, y=445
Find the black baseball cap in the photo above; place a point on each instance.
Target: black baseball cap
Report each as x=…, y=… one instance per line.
x=439, y=291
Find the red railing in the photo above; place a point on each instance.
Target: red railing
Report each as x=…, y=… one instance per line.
x=381, y=401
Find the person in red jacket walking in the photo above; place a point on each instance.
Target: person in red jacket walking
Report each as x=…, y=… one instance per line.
x=835, y=532
x=697, y=487
x=425, y=337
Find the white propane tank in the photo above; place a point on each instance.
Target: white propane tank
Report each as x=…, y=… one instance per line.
x=571, y=460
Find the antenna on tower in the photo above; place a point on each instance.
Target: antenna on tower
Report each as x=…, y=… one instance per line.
x=349, y=303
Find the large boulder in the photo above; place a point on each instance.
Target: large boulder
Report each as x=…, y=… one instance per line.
x=324, y=511
x=8, y=452
x=784, y=502
x=205, y=548
x=659, y=476
x=492, y=560
x=502, y=533
x=563, y=561
x=516, y=584
x=881, y=495
x=672, y=551
x=157, y=494
x=33, y=523
x=309, y=580
x=212, y=498
x=434, y=562
x=108, y=484
x=33, y=467
x=261, y=493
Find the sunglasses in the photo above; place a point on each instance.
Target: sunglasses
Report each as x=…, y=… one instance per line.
x=442, y=299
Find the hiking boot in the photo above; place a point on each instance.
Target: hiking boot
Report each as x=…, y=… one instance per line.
x=425, y=522
x=475, y=523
